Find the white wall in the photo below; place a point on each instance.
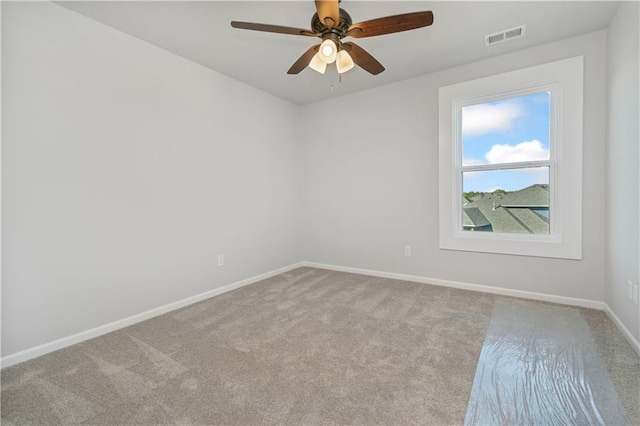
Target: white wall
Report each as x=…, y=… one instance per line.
x=622, y=253
x=372, y=184
x=126, y=170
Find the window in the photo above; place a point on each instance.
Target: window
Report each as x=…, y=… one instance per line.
x=506, y=164
x=511, y=162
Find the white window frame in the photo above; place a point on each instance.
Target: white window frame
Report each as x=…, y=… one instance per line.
x=564, y=79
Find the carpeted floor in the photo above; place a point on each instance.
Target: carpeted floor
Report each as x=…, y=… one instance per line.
x=306, y=347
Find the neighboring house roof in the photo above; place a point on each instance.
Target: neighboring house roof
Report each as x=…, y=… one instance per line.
x=531, y=196
x=472, y=217
x=513, y=212
x=529, y=220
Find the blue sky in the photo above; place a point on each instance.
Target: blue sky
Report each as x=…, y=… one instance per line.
x=506, y=131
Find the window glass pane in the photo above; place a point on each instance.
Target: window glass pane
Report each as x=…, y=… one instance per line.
x=506, y=201
x=507, y=131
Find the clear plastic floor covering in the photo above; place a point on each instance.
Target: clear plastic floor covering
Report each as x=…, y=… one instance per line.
x=539, y=366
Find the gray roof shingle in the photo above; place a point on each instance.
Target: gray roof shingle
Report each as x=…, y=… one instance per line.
x=513, y=212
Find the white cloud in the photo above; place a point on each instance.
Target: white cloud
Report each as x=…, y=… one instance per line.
x=524, y=151
x=468, y=161
x=486, y=118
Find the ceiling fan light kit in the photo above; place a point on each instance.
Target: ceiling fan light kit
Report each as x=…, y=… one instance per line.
x=318, y=64
x=344, y=62
x=328, y=51
x=332, y=24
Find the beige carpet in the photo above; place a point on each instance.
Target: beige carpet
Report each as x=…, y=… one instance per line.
x=306, y=347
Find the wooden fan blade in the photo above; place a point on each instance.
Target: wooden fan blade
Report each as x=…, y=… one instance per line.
x=271, y=28
x=328, y=12
x=391, y=24
x=363, y=59
x=303, y=61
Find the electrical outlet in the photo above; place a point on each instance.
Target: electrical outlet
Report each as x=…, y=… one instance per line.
x=220, y=260
x=407, y=250
x=630, y=290
x=634, y=294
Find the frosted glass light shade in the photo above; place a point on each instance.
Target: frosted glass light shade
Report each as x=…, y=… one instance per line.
x=328, y=51
x=344, y=62
x=318, y=64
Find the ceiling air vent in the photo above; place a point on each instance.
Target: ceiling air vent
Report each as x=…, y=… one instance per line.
x=505, y=35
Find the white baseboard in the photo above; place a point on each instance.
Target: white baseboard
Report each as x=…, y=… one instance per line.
x=635, y=344
x=125, y=322
x=46, y=348
x=572, y=301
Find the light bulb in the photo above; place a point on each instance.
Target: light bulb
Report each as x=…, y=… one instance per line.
x=328, y=51
x=344, y=62
x=317, y=64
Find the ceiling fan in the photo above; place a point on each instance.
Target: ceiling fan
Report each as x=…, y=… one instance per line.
x=332, y=24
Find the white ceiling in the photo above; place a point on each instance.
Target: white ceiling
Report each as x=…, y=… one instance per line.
x=200, y=31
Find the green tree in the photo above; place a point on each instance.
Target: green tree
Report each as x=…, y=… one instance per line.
x=469, y=195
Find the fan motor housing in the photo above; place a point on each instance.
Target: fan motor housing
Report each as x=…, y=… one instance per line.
x=340, y=28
